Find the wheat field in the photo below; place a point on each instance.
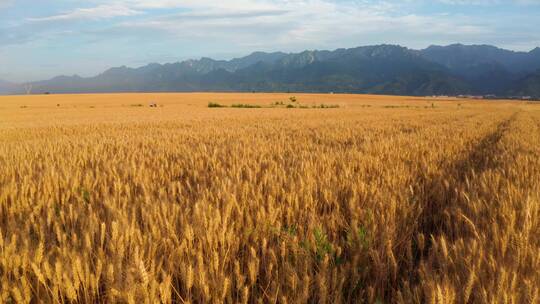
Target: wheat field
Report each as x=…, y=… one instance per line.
x=382, y=200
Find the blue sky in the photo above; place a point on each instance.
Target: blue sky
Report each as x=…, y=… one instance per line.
x=44, y=38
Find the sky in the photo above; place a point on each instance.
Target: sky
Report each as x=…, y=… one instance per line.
x=40, y=39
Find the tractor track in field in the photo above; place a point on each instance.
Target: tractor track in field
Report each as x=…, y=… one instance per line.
x=441, y=189
x=440, y=198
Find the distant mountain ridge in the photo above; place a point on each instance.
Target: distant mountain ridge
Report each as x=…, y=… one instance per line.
x=488, y=69
x=459, y=56
x=380, y=69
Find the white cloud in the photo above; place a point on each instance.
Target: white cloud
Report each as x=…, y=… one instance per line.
x=104, y=11
x=275, y=24
x=298, y=23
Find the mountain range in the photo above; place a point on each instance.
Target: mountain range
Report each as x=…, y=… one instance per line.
x=381, y=69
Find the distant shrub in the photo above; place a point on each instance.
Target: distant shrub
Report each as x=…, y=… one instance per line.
x=247, y=106
x=137, y=105
x=396, y=107
x=302, y=106
x=324, y=106
x=293, y=99
x=215, y=105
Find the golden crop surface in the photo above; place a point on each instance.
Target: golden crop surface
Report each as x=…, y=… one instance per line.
x=104, y=199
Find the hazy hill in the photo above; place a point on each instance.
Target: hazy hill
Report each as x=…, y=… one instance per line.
x=381, y=69
x=6, y=87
